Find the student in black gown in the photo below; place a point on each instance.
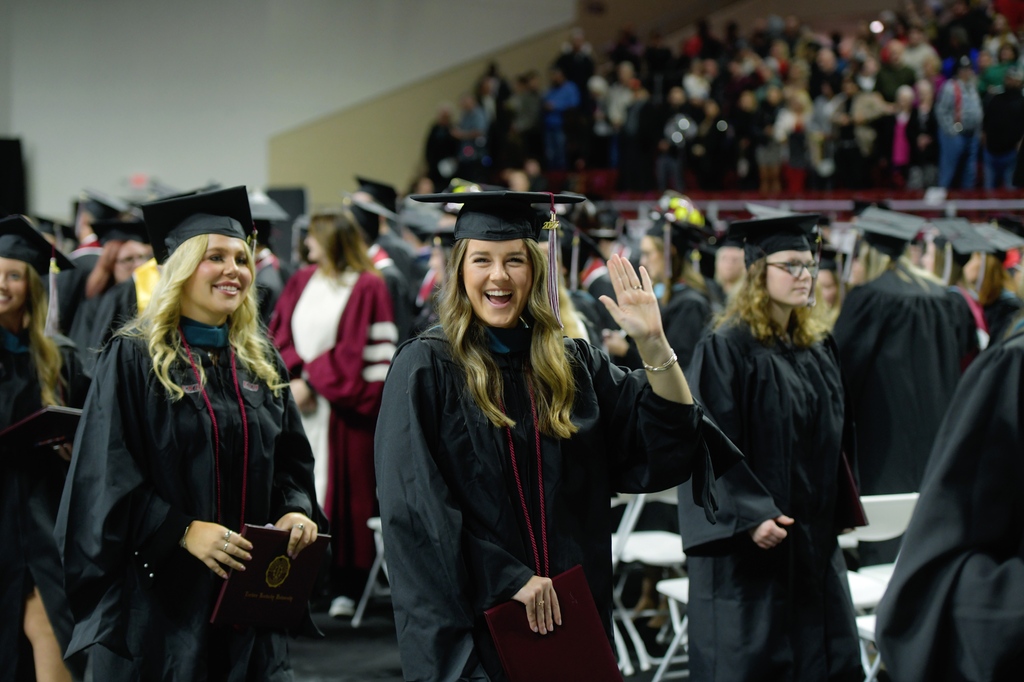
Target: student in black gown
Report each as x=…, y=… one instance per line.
x=996, y=290
x=679, y=286
x=111, y=289
x=952, y=610
x=35, y=370
x=494, y=396
x=769, y=598
x=189, y=431
x=900, y=350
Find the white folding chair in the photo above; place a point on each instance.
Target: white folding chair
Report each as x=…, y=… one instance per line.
x=865, y=591
x=677, y=590
x=866, y=633
x=888, y=518
x=373, y=589
x=652, y=548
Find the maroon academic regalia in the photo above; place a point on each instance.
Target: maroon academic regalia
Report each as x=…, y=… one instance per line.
x=351, y=380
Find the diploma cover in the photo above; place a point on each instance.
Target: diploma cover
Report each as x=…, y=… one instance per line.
x=273, y=590
x=578, y=649
x=49, y=426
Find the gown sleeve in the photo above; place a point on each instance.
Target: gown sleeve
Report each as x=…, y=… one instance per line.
x=715, y=374
x=351, y=375
x=656, y=443
x=109, y=513
x=858, y=331
x=954, y=606
x=422, y=525
x=684, y=325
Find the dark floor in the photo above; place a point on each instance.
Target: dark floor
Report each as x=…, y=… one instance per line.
x=367, y=653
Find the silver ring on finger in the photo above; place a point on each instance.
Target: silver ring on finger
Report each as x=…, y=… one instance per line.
x=638, y=287
x=227, y=535
x=300, y=526
x=226, y=545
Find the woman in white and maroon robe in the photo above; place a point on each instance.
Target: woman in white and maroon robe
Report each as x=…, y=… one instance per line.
x=335, y=329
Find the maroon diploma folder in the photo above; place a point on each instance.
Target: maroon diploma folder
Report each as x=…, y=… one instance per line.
x=273, y=590
x=49, y=426
x=578, y=649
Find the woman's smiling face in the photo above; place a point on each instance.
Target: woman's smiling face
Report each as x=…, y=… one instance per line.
x=498, y=278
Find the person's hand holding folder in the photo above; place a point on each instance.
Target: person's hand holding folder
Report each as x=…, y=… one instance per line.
x=542, y=610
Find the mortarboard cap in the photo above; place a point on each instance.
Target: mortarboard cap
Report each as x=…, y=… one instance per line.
x=262, y=207
x=762, y=211
x=171, y=222
x=765, y=236
x=51, y=227
x=829, y=258
x=499, y=215
x=961, y=235
x=889, y=238
x=1000, y=241
x=102, y=205
x=121, y=230
x=20, y=241
x=382, y=193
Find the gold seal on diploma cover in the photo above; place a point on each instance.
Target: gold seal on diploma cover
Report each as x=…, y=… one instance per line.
x=277, y=571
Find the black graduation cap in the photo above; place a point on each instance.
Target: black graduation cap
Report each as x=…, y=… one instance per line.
x=102, y=205
x=121, y=230
x=171, y=222
x=889, y=238
x=829, y=258
x=50, y=226
x=1012, y=223
x=383, y=193
x=20, y=241
x=499, y=215
x=999, y=240
x=263, y=208
x=765, y=236
x=962, y=236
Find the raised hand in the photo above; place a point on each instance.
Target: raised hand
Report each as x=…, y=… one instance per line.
x=635, y=307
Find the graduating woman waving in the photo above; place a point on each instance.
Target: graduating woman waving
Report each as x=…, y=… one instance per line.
x=500, y=442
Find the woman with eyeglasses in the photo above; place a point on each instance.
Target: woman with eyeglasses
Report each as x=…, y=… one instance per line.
x=769, y=598
x=189, y=433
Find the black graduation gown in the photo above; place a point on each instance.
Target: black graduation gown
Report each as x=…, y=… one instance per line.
x=71, y=287
x=453, y=530
x=589, y=311
x=142, y=469
x=953, y=609
x=899, y=351
x=30, y=489
x=784, y=613
x=999, y=315
x=685, y=319
x=398, y=290
x=102, y=316
x=269, y=285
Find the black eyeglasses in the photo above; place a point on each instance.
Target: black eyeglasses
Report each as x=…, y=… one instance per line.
x=795, y=268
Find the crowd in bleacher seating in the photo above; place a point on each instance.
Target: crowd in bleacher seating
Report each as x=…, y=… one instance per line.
x=927, y=95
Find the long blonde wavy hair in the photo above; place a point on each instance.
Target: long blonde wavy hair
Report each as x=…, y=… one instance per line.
x=751, y=305
x=158, y=324
x=45, y=354
x=549, y=370
x=875, y=264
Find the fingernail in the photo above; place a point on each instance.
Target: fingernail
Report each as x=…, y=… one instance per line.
x=241, y=567
x=534, y=628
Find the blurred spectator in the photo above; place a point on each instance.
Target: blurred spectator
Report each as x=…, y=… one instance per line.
x=678, y=130
x=824, y=70
x=746, y=134
x=791, y=131
x=792, y=32
x=768, y=151
x=778, y=58
x=562, y=97
x=959, y=113
x=538, y=183
x=620, y=96
x=932, y=68
x=601, y=133
x=923, y=133
x=1003, y=125
x=894, y=137
x=918, y=49
x=471, y=132
x=526, y=136
x=493, y=92
x=657, y=66
x=710, y=46
x=854, y=114
x=821, y=136
x=577, y=61
x=709, y=152
x=893, y=74
x=867, y=73
x=626, y=48
x=957, y=47
x=990, y=78
x=638, y=142
x=696, y=83
x=441, y=148
x=1000, y=33
x=972, y=21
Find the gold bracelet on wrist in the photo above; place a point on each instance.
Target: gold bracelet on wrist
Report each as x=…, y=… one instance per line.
x=661, y=368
